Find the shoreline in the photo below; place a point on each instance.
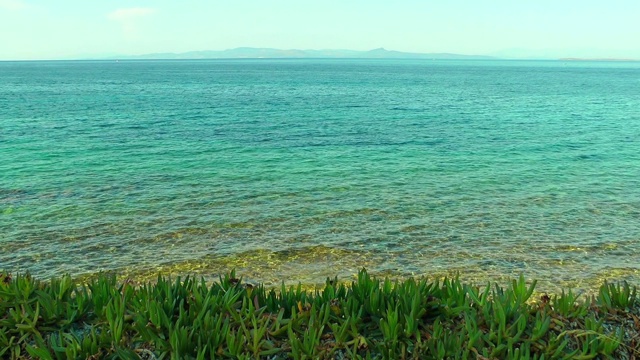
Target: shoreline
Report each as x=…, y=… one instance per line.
x=299, y=275
x=314, y=275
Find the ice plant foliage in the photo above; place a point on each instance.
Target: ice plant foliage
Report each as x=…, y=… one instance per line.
x=103, y=318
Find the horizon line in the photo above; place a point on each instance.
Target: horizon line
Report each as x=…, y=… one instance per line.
x=277, y=53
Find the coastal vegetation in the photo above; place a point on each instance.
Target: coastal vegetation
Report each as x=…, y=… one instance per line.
x=370, y=318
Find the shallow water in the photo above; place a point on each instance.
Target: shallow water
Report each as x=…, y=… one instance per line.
x=302, y=169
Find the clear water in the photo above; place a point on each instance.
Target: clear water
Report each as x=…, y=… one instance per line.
x=302, y=169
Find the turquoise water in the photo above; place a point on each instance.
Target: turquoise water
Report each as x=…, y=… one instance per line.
x=302, y=169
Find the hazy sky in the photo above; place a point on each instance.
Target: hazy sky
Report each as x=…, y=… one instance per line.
x=53, y=29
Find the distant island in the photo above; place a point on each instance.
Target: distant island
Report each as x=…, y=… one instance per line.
x=268, y=53
x=380, y=53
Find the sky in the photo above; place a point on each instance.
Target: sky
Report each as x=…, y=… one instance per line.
x=68, y=29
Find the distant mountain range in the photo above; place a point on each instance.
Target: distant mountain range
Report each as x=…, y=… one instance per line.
x=257, y=53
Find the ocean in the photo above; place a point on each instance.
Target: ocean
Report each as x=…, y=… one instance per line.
x=298, y=170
